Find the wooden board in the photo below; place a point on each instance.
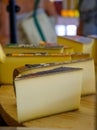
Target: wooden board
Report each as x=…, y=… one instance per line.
x=29, y=128
x=81, y=119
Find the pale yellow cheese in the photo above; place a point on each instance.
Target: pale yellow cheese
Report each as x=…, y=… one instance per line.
x=15, y=61
x=79, y=43
x=89, y=83
x=49, y=94
x=29, y=49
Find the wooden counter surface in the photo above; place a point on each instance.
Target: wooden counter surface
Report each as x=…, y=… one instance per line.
x=82, y=119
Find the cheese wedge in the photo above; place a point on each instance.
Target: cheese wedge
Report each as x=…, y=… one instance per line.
x=88, y=83
x=48, y=92
x=79, y=43
x=33, y=49
x=14, y=60
x=46, y=49
x=18, y=59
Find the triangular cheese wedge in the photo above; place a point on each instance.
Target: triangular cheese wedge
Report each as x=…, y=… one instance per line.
x=48, y=92
x=88, y=85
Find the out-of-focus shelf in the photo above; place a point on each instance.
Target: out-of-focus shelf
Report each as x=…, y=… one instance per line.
x=68, y=21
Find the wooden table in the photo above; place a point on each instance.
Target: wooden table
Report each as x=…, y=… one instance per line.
x=82, y=119
x=29, y=128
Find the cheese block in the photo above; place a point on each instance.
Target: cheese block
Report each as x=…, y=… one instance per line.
x=48, y=92
x=88, y=85
x=47, y=48
x=19, y=59
x=79, y=43
x=2, y=54
x=94, y=47
x=32, y=49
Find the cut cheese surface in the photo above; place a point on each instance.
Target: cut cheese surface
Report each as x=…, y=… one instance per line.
x=48, y=94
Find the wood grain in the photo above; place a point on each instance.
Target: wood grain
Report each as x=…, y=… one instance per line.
x=81, y=119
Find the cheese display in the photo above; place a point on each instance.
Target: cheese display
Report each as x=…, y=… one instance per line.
x=14, y=60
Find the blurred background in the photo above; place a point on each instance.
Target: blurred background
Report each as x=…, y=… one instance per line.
x=68, y=20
